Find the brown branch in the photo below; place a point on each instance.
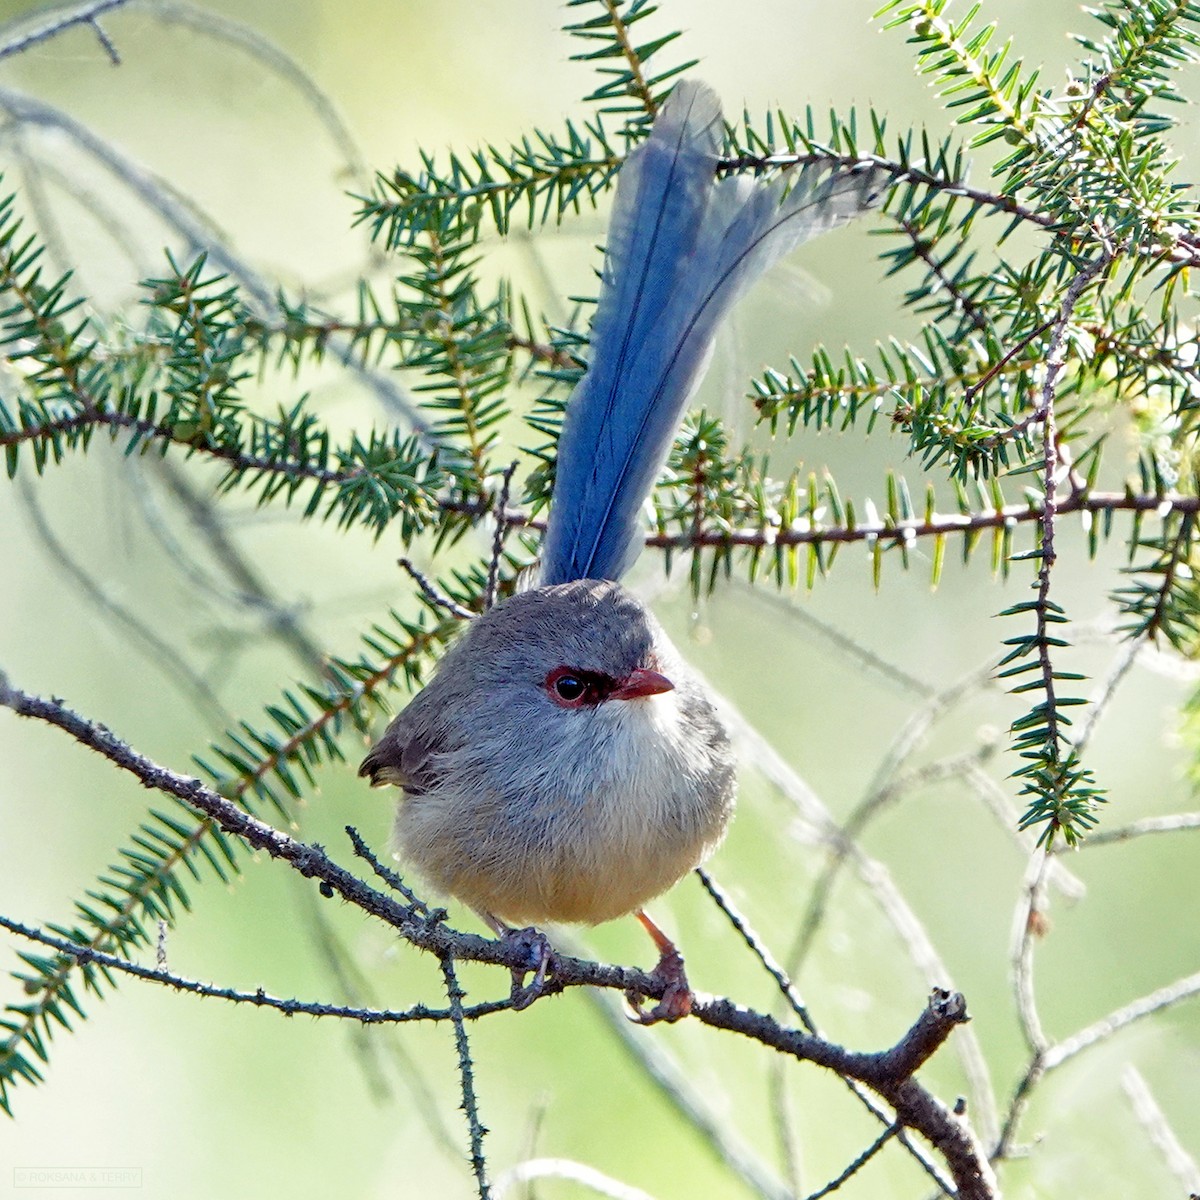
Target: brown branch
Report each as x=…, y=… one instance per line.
x=886, y=530
x=888, y=1072
x=140, y=427
x=638, y=85
x=84, y=955
x=541, y=352
x=901, y=172
x=923, y=249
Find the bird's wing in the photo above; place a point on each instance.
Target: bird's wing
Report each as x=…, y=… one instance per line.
x=682, y=248
x=406, y=755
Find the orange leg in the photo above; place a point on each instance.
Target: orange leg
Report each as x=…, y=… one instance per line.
x=677, y=997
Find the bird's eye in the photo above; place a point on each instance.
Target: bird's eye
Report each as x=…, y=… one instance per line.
x=569, y=688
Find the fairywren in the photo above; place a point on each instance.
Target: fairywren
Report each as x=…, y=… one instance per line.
x=563, y=763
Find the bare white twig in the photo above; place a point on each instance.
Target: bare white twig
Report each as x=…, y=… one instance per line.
x=569, y=1169
x=1027, y=919
x=1152, y=1118
x=1118, y=1019
x=1171, y=823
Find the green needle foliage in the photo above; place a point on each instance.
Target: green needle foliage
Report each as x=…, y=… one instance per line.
x=1033, y=350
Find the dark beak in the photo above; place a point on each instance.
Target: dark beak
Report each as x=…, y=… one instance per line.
x=642, y=682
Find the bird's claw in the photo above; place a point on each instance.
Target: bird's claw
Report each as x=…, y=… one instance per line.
x=677, y=998
x=540, y=957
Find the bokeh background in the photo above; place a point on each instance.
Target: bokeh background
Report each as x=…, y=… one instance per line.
x=204, y=1098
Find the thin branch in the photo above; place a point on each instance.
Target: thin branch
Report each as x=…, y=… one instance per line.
x=888, y=1072
x=86, y=956
x=1172, y=823
x=430, y=592
x=543, y=353
x=1045, y=610
x=882, y=530
x=1152, y=1118
x=200, y=236
x=820, y=827
x=1027, y=923
x=1100, y=1031
x=857, y=1165
x=1099, y=702
x=500, y=507
x=757, y=947
x=638, y=87
x=253, y=590
x=564, y=1168
x=923, y=249
x=690, y=1102
x=59, y=22
x=389, y=876
x=773, y=968
x=159, y=654
x=901, y=172
x=466, y=1074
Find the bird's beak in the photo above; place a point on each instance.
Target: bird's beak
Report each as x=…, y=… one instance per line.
x=642, y=682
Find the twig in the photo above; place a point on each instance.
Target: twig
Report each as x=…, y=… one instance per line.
x=1180, y=1163
x=841, y=645
x=1044, y=609
x=500, y=508
x=875, y=877
x=199, y=237
x=757, y=947
x=1124, y=833
x=388, y=875
x=690, y=1103
x=882, y=530
x=923, y=249
x=466, y=1075
x=1099, y=702
x=432, y=594
x=371, y=1051
x=564, y=1168
x=106, y=43
x=253, y=590
x=1114, y=1022
x=857, y=1165
x=160, y=655
x=1027, y=921
x=87, y=956
x=83, y=14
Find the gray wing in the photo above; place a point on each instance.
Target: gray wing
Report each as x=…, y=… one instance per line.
x=406, y=755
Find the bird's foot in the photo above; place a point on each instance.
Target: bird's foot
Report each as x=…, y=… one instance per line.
x=536, y=949
x=677, y=998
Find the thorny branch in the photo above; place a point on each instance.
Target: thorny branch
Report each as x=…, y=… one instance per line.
x=889, y=1073
x=885, y=531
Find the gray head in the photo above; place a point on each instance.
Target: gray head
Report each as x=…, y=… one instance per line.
x=520, y=668
x=579, y=644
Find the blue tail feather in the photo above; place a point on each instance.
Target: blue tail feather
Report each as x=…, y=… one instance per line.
x=682, y=249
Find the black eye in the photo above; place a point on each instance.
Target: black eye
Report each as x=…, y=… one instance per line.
x=569, y=687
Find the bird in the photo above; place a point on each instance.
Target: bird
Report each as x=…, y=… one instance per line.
x=564, y=764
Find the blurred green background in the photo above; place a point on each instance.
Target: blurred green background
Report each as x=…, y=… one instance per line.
x=204, y=1098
